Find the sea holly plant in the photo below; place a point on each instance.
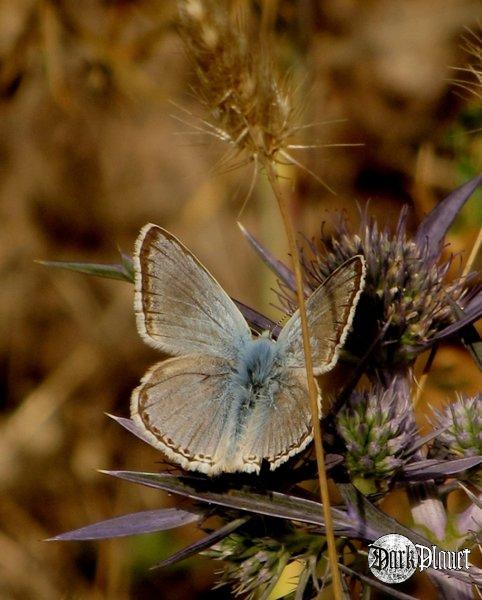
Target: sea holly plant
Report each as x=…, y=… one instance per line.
x=407, y=304
x=270, y=522
x=372, y=444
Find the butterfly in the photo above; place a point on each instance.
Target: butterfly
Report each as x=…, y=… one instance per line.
x=227, y=401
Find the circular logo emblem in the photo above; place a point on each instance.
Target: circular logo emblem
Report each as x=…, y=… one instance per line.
x=392, y=558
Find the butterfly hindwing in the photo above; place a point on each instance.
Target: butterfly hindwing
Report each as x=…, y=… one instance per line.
x=184, y=404
x=192, y=409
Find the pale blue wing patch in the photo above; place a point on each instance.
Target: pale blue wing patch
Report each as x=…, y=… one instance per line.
x=330, y=310
x=279, y=425
x=180, y=308
x=187, y=407
x=273, y=416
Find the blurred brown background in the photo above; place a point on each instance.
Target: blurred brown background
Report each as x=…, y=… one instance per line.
x=90, y=151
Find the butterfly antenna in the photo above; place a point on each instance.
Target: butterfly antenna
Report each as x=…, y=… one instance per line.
x=275, y=328
x=282, y=322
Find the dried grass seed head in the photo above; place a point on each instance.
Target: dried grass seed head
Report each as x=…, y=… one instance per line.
x=249, y=105
x=471, y=75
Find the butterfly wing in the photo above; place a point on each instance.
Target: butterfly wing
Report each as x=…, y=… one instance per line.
x=187, y=408
x=280, y=424
x=180, y=308
x=193, y=410
x=329, y=310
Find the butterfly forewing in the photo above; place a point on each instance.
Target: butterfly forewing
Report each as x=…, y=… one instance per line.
x=329, y=310
x=180, y=308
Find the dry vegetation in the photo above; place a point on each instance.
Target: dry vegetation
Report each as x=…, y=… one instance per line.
x=89, y=152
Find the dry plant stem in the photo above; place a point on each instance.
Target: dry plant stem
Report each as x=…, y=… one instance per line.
x=315, y=419
x=468, y=266
x=473, y=254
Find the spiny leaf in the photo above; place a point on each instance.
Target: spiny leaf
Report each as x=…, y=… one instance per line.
x=274, y=504
x=374, y=583
x=421, y=441
x=279, y=268
x=467, y=316
x=148, y=521
x=110, y=271
x=206, y=542
x=475, y=500
x=256, y=320
x=132, y=427
x=435, y=225
x=433, y=468
x=469, y=335
x=382, y=524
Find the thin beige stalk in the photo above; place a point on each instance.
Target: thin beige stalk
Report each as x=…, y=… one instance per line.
x=467, y=268
x=252, y=111
x=313, y=394
x=473, y=254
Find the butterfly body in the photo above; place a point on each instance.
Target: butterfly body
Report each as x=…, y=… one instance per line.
x=256, y=381
x=257, y=369
x=225, y=402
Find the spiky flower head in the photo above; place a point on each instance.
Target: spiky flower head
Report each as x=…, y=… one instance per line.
x=378, y=431
x=406, y=299
x=253, y=565
x=250, y=107
x=461, y=422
